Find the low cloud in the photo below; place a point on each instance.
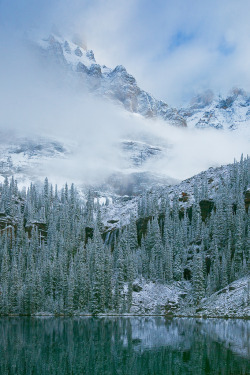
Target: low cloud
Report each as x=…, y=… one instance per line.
x=191, y=151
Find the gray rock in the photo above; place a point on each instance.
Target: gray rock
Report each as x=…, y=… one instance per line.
x=78, y=52
x=136, y=288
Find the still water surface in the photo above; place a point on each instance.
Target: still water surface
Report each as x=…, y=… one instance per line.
x=127, y=346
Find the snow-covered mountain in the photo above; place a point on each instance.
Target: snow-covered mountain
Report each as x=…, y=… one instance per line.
x=205, y=110
x=116, y=84
x=209, y=110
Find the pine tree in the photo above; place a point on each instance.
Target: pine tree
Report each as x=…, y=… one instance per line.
x=98, y=294
x=198, y=278
x=223, y=272
x=169, y=263
x=119, y=282
x=70, y=290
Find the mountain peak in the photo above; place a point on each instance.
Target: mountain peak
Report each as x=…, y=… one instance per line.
x=120, y=68
x=116, y=84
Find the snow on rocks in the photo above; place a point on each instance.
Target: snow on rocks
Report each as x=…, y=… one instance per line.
x=231, y=301
x=116, y=84
x=118, y=213
x=225, y=113
x=158, y=299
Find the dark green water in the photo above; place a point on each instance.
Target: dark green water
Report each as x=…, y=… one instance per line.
x=153, y=346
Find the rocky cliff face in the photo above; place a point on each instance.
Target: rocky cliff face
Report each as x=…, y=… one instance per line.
x=116, y=84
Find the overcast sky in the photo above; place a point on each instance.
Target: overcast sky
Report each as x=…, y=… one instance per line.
x=173, y=48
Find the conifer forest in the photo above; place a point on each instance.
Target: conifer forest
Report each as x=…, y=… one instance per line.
x=56, y=257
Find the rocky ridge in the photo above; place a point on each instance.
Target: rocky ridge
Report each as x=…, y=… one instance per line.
x=116, y=84
x=206, y=110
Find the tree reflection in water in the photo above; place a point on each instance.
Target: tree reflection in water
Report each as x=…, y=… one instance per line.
x=129, y=346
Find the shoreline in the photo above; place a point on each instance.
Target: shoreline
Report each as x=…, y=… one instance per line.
x=225, y=317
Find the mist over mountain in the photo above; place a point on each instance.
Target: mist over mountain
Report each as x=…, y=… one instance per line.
x=105, y=121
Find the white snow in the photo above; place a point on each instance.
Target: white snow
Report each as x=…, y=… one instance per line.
x=232, y=301
x=157, y=299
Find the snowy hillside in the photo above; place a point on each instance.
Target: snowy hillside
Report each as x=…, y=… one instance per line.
x=231, y=301
x=206, y=183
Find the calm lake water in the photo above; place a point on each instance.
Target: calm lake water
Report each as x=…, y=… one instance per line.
x=145, y=345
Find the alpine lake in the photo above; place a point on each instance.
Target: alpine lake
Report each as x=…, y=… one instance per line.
x=123, y=346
